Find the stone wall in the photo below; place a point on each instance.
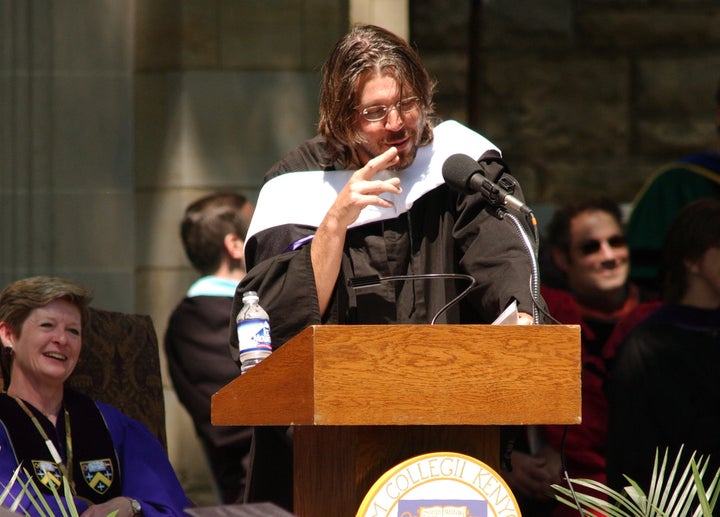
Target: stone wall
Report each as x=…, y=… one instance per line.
x=581, y=96
x=66, y=171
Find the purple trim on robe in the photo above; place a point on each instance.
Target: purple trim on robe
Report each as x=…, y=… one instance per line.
x=298, y=243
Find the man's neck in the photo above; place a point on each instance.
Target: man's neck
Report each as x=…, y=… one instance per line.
x=699, y=294
x=231, y=271
x=230, y=274
x=606, y=302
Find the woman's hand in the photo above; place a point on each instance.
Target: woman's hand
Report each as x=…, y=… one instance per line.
x=120, y=504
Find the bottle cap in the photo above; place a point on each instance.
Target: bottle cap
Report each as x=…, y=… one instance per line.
x=249, y=294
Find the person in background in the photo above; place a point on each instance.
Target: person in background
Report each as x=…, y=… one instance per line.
x=196, y=341
x=368, y=199
x=659, y=200
x=587, y=246
x=663, y=390
x=111, y=462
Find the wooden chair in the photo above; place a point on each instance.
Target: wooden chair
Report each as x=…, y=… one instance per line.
x=120, y=365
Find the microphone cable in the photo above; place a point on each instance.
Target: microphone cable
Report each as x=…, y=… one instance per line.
x=367, y=281
x=555, y=321
x=563, y=464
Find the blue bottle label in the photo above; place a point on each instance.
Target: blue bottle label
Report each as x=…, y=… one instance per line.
x=254, y=334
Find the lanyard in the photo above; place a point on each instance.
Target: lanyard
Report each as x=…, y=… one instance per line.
x=67, y=473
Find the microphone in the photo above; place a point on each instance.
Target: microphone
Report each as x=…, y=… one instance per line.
x=463, y=173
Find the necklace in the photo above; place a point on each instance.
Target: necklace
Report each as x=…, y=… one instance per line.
x=67, y=473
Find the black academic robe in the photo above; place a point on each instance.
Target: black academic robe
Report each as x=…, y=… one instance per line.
x=199, y=362
x=443, y=231
x=664, y=392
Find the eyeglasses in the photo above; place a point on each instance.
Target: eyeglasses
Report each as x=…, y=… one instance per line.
x=380, y=111
x=593, y=245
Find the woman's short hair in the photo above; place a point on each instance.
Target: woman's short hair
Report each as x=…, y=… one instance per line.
x=21, y=297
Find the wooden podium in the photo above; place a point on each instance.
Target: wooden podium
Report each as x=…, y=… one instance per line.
x=363, y=398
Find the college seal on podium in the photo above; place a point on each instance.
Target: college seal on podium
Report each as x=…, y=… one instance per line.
x=440, y=484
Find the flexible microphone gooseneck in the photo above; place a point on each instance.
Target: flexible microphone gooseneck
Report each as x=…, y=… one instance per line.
x=466, y=175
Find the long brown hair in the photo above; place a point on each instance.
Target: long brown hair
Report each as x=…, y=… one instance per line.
x=366, y=49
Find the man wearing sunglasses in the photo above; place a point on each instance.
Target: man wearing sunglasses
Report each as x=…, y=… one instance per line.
x=587, y=245
x=366, y=199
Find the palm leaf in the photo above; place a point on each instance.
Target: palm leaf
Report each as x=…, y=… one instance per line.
x=674, y=491
x=30, y=491
x=68, y=497
x=36, y=499
x=6, y=490
x=706, y=505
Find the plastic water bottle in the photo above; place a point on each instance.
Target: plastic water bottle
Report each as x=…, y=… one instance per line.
x=253, y=331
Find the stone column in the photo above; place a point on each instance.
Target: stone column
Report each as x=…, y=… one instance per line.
x=66, y=182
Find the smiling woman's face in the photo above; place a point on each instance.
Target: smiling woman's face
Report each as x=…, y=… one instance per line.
x=47, y=347
x=402, y=130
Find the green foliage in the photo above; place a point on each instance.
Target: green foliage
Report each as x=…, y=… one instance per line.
x=30, y=493
x=674, y=493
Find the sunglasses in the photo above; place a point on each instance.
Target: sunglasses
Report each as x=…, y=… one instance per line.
x=593, y=245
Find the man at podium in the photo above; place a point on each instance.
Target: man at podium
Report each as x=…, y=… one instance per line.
x=364, y=203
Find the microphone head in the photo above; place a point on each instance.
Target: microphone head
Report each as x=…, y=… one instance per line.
x=457, y=171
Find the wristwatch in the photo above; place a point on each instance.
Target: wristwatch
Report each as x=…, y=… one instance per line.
x=135, y=506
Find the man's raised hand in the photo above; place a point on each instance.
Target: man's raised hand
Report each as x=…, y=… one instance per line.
x=362, y=190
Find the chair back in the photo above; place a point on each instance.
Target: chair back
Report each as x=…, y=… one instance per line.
x=120, y=365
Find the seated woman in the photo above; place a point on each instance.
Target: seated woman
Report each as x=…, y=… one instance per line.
x=110, y=462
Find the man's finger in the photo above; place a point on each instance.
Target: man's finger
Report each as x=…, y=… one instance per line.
x=377, y=187
x=377, y=164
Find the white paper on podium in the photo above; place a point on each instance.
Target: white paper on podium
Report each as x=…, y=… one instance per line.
x=509, y=316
